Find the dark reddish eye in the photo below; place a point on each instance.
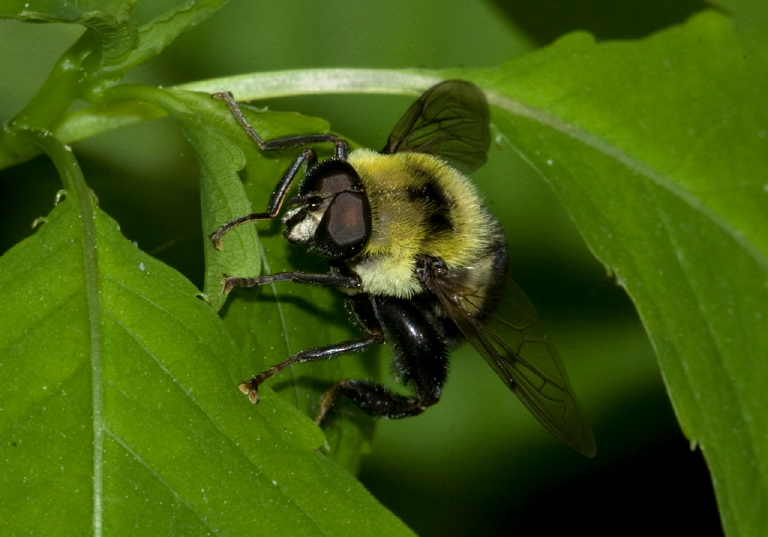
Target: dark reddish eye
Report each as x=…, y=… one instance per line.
x=337, y=181
x=345, y=227
x=346, y=223
x=330, y=177
x=345, y=219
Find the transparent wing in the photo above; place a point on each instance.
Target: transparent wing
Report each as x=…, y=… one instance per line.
x=514, y=344
x=450, y=120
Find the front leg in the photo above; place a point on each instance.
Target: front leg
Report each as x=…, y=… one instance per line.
x=309, y=157
x=333, y=278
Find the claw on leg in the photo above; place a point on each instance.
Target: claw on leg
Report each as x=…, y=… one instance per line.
x=251, y=390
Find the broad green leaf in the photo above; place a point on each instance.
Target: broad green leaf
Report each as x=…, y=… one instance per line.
x=658, y=149
x=121, y=413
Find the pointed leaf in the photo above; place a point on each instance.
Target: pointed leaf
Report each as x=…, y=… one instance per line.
x=121, y=415
x=658, y=149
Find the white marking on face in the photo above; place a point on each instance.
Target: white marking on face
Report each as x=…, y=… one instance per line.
x=304, y=230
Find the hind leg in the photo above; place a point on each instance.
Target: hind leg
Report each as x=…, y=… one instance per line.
x=421, y=350
x=374, y=399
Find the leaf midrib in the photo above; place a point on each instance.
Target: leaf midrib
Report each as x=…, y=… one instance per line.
x=632, y=163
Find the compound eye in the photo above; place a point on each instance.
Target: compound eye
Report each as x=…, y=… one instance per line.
x=329, y=177
x=345, y=227
x=345, y=219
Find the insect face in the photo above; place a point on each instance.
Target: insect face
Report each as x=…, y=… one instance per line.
x=332, y=213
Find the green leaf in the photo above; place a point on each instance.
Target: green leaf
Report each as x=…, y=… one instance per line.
x=99, y=58
x=123, y=415
x=749, y=15
x=115, y=32
x=206, y=124
x=154, y=36
x=658, y=149
x=57, y=11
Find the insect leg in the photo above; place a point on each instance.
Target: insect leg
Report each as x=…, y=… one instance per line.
x=298, y=140
x=373, y=398
x=421, y=349
x=275, y=200
x=366, y=320
x=332, y=278
x=341, y=149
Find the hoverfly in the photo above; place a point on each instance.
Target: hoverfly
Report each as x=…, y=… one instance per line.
x=421, y=260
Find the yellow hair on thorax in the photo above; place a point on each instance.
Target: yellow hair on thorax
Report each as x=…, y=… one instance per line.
x=419, y=206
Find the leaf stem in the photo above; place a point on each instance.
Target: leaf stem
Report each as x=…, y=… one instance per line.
x=118, y=110
x=269, y=85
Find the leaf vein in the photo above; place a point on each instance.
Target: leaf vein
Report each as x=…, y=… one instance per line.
x=632, y=163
